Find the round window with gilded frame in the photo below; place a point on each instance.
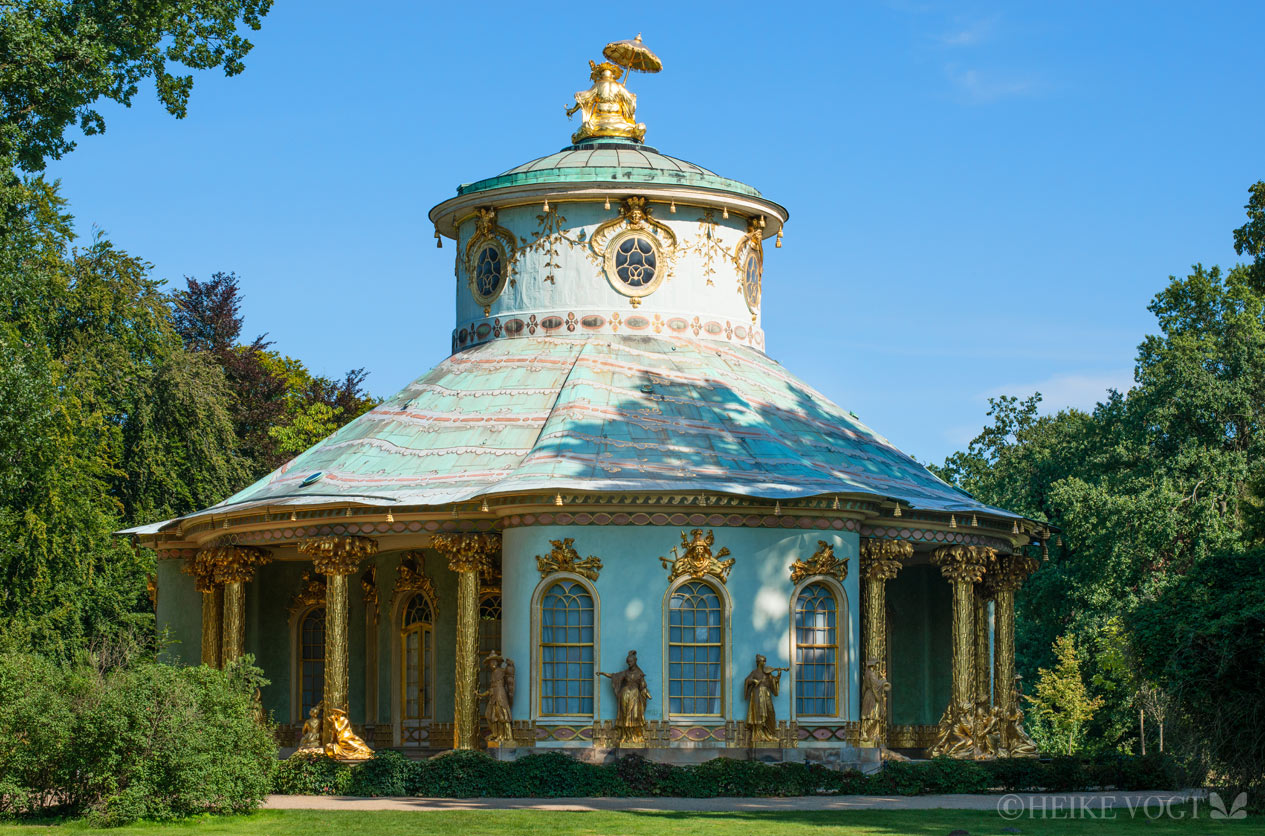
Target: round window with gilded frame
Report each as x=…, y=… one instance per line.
x=751, y=277
x=488, y=267
x=634, y=263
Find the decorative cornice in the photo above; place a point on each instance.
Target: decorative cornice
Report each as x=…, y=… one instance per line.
x=311, y=593
x=698, y=561
x=467, y=552
x=881, y=559
x=338, y=555
x=564, y=558
x=823, y=562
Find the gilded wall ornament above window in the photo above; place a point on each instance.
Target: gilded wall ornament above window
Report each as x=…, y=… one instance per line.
x=564, y=558
x=698, y=561
x=823, y=562
x=311, y=592
x=749, y=256
x=411, y=578
x=635, y=250
x=489, y=256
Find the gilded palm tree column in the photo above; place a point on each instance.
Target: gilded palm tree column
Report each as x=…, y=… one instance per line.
x=983, y=690
x=962, y=567
x=467, y=555
x=232, y=567
x=336, y=558
x=880, y=562
x=1008, y=576
x=202, y=569
x=212, y=624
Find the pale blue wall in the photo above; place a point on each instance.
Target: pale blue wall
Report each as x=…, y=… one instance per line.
x=631, y=591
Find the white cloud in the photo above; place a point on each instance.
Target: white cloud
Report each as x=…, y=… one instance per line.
x=972, y=34
x=1079, y=390
x=981, y=87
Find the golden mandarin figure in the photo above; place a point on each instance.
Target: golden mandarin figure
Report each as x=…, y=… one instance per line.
x=343, y=744
x=984, y=731
x=607, y=108
x=956, y=730
x=760, y=687
x=500, y=699
x=310, y=742
x=1015, y=742
x=631, y=696
x=874, y=690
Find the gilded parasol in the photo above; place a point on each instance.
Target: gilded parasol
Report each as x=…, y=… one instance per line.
x=633, y=55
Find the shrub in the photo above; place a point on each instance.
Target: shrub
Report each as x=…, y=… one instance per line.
x=319, y=775
x=389, y=773
x=136, y=740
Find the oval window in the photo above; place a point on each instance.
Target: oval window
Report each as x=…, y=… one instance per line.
x=636, y=261
x=751, y=280
x=489, y=272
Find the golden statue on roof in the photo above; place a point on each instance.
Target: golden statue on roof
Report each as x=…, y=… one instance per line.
x=607, y=108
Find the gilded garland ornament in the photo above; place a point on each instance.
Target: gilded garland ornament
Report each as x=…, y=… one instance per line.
x=564, y=558
x=749, y=258
x=338, y=555
x=698, y=561
x=823, y=562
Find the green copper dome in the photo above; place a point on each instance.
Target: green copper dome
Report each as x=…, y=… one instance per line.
x=609, y=160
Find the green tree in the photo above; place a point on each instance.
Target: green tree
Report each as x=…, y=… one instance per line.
x=1061, y=704
x=63, y=56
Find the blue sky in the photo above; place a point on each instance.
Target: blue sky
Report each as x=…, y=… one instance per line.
x=983, y=196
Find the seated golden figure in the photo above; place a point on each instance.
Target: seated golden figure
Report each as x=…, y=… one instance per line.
x=310, y=743
x=344, y=744
x=608, y=109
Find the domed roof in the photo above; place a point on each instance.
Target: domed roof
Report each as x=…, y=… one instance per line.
x=609, y=160
x=619, y=413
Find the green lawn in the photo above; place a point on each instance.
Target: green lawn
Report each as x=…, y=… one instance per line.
x=513, y=823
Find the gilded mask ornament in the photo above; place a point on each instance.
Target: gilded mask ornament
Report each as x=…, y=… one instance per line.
x=823, y=562
x=698, y=561
x=564, y=558
x=636, y=250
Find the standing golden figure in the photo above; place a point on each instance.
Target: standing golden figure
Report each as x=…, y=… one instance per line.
x=874, y=690
x=631, y=696
x=500, y=697
x=760, y=687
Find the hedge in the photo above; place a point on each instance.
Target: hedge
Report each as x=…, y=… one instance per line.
x=555, y=775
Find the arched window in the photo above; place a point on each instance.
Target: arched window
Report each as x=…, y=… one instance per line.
x=816, y=652
x=696, y=629
x=566, y=650
x=417, y=643
x=311, y=660
x=489, y=632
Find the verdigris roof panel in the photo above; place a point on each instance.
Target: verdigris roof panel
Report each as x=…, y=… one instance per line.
x=622, y=413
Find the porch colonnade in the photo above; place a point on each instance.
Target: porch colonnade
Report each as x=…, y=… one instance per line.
x=221, y=573
x=881, y=561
